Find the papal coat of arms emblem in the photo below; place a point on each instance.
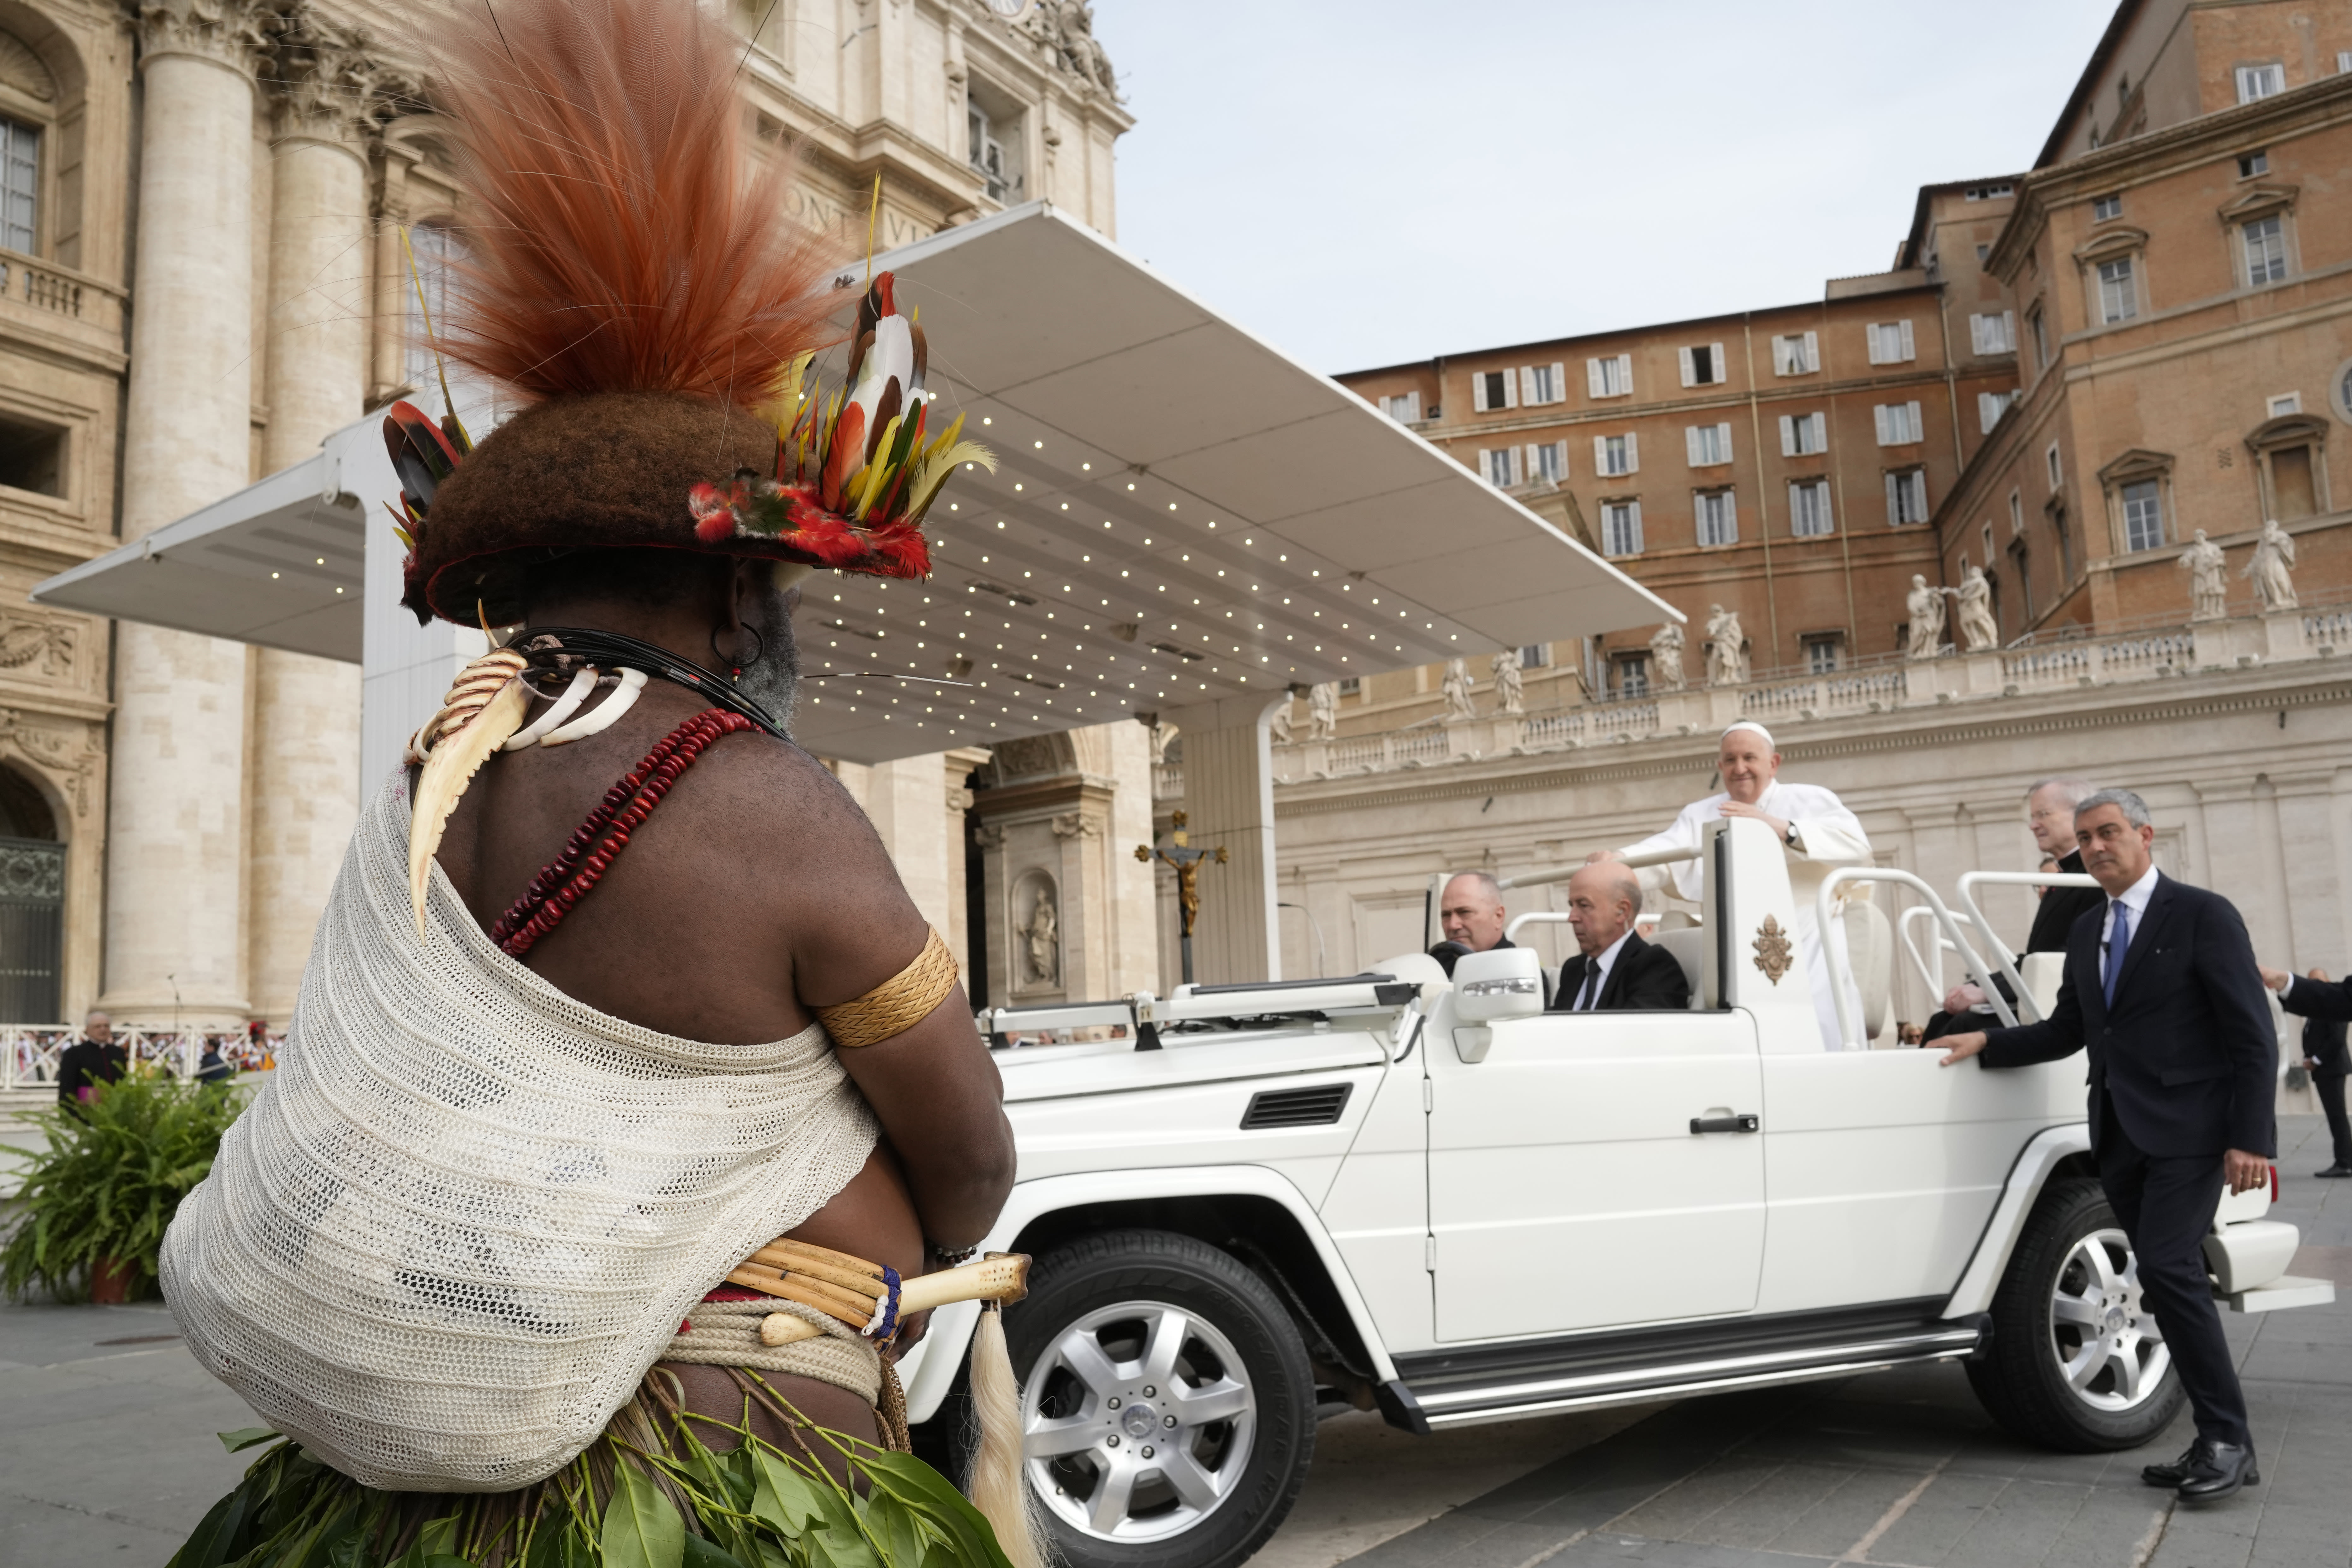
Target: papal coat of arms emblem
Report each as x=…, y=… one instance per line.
x=1773, y=953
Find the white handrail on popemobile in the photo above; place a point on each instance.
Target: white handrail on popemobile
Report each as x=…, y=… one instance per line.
x=1930, y=975
x=1842, y=968
x=1969, y=882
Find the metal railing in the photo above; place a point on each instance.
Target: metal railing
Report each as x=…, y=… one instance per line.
x=1971, y=880
x=29, y=1053
x=1842, y=967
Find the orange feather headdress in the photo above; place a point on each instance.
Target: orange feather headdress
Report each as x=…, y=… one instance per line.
x=643, y=290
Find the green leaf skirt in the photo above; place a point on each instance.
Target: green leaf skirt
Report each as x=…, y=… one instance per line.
x=649, y=1493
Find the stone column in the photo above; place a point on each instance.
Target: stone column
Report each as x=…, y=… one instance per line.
x=175, y=857
x=306, y=712
x=1229, y=795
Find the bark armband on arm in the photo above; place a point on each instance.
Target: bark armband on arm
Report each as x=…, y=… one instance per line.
x=899, y=1004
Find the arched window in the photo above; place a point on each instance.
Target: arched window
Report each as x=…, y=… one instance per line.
x=29, y=104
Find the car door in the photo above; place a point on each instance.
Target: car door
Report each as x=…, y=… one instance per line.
x=1567, y=1189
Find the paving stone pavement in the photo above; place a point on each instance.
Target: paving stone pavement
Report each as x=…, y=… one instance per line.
x=1904, y=1468
x=107, y=1455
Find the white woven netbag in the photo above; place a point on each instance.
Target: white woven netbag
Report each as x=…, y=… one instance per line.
x=467, y=1213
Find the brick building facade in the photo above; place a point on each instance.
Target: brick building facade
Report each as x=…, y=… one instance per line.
x=2066, y=373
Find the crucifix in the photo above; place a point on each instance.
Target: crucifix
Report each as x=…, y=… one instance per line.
x=1185, y=861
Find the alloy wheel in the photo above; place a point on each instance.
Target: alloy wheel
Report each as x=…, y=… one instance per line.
x=1136, y=1422
x=2110, y=1352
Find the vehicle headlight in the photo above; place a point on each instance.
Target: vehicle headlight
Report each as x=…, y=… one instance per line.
x=1519, y=985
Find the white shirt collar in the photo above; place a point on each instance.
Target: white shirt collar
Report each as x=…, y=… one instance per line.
x=2135, y=899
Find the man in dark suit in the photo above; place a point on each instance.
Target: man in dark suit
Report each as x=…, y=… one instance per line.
x=1615, y=968
x=2324, y=1007
x=2050, y=818
x=2162, y=988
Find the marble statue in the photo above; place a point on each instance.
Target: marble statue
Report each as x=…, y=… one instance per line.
x=1974, y=606
x=2209, y=579
x=2273, y=555
x=1323, y=710
x=1726, y=665
x=1162, y=734
x=1667, y=657
x=1457, y=687
x=1508, y=695
x=1042, y=938
x=1926, y=608
x=1277, y=724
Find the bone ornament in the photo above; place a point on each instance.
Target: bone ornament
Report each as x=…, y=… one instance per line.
x=1001, y=1277
x=481, y=715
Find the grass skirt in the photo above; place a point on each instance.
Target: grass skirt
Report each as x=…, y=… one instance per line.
x=648, y=1493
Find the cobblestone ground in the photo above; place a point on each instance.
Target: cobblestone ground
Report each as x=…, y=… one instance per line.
x=107, y=1455
x=1899, y=1467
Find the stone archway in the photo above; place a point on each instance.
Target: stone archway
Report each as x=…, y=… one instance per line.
x=32, y=903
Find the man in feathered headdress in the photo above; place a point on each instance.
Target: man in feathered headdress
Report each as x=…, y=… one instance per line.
x=544, y=1176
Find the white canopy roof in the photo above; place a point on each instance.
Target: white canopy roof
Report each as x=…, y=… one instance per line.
x=1181, y=513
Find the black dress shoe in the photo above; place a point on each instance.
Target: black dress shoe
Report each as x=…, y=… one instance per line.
x=2222, y=1469
x=2173, y=1474
x=2337, y=1169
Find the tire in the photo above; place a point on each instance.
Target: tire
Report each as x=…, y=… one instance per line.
x=2076, y=1362
x=1083, y=1337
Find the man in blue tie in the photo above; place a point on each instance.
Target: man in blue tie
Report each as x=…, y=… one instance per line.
x=2162, y=988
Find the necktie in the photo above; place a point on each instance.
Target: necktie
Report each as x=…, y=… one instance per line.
x=1592, y=985
x=2119, y=943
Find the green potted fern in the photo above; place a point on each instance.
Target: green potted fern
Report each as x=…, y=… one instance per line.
x=97, y=1199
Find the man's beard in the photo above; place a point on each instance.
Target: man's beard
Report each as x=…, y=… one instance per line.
x=772, y=679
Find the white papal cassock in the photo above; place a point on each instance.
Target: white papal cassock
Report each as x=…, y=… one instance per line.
x=1831, y=837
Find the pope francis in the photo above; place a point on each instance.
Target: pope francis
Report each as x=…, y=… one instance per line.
x=1819, y=833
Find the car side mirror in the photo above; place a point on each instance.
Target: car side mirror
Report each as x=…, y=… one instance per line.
x=1503, y=983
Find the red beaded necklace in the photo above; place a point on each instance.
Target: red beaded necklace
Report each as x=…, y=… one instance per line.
x=590, y=851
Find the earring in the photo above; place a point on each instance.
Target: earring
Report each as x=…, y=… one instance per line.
x=759, y=648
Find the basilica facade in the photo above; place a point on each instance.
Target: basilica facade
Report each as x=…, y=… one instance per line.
x=217, y=221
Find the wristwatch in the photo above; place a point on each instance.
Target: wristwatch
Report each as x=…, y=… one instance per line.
x=1789, y=837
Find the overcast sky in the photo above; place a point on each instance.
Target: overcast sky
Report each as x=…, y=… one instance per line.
x=1366, y=182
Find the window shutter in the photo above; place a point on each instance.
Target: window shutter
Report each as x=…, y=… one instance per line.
x=1723, y=440
x=1479, y=393
x=1870, y=339
x=1894, y=502
x=1626, y=372
x=1820, y=424
x=1529, y=393
x=1813, y=350
x=1691, y=438
x=1558, y=382
x=1788, y=435
x=1906, y=342
x=1914, y=425
x=1531, y=463
x=1561, y=447
x=1485, y=464
x=1722, y=371
x=1633, y=452
x=1510, y=390
x=1879, y=414
x=1600, y=455
x=1593, y=378
x=1413, y=407
x=1730, y=517
x=1690, y=372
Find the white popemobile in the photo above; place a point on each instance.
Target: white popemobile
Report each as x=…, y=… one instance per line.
x=1248, y=1202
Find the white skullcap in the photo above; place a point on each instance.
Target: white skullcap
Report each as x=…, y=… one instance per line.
x=1752, y=724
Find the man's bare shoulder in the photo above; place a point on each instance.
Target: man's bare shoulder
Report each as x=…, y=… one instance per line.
x=768, y=800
